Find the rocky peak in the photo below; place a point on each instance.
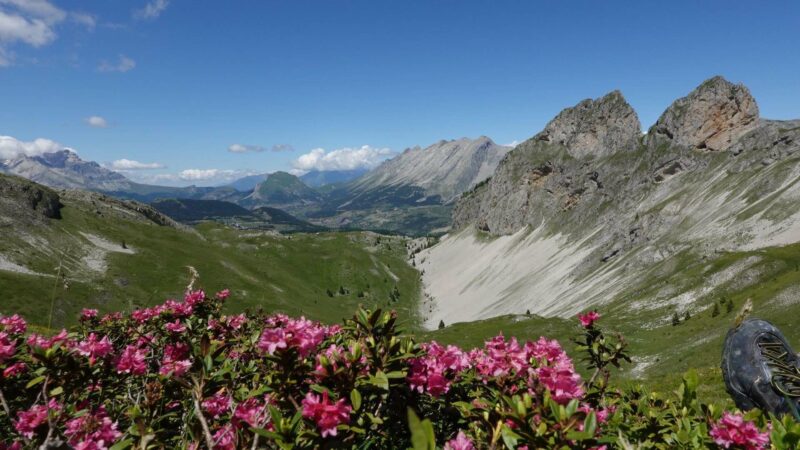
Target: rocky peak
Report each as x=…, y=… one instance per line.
x=59, y=158
x=594, y=127
x=712, y=117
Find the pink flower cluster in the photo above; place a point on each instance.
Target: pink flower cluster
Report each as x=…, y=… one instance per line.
x=13, y=324
x=175, y=308
x=132, y=360
x=176, y=360
x=588, y=319
x=217, y=405
x=38, y=341
x=733, y=430
x=94, y=348
x=28, y=421
x=543, y=361
x=461, y=442
x=7, y=347
x=93, y=431
x=435, y=372
x=253, y=412
x=300, y=334
x=326, y=414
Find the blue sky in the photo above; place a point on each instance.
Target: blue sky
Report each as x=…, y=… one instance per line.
x=176, y=83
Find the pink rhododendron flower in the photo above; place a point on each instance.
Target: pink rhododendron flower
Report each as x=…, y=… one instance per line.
x=92, y=431
x=194, y=298
x=461, y=442
x=434, y=372
x=324, y=413
x=223, y=294
x=110, y=318
x=39, y=341
x=175, y=360
x=284, y=333
x=237, y=321
x=217, y=405
x=94, y=348
x=225, y=438
x=733, y=430
x=14, y=370
x=16, y=445
x=28, y=421
x=14, y=324
x=588, y=319
x=133, y=360
x=88, y=314
x=7, y=347
x=561, y=380
x=271, y=340
x=175, y=327
x=253, y=412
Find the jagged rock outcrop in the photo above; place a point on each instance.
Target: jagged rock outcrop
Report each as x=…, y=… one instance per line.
x=572, y=229
x=594, y=127
x=713, y=116
x=19, y=198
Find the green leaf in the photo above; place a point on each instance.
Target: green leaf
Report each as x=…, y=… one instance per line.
x=355, y=399
x=57, y=391
x=121, y=445
x=590, y=423
x=510, y=438
x=380, y=380
x=422, y=437
x=35, y=381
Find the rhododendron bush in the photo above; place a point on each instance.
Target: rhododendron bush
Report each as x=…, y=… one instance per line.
x=183, y=375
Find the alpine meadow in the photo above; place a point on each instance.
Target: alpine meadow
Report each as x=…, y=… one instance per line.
x=284, y=225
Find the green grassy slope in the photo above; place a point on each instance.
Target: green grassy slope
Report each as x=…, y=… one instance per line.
x=663, y=352
x=290, y=274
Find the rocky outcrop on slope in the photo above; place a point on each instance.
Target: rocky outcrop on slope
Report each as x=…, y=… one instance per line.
x=709, y=177
x=20, y=198
x=713, y=116
x=594, y=127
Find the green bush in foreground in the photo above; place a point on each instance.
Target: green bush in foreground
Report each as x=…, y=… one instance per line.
x=182, y=375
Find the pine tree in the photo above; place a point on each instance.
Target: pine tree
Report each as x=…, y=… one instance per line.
x=341, y=290
x=441, y=324
x=329, y=292
x=687, y=316
x=676, y=320
x=729, y=306
x=715, y=311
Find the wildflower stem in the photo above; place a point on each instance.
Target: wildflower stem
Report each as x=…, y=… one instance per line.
x=196, y=397
x=5, y=404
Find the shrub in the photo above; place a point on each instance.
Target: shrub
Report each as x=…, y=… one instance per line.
x=183, y=375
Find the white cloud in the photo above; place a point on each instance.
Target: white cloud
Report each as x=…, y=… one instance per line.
x=152, y=9
x=32, y=31
x=364, y=157
x=244, y=148
x=96, y=122
x=129, y=164
x=11, y=147
x=87, y=20
x=513, y=143
x=41, y=9
x=124, y=64
x=208, y=174
x=33, y=22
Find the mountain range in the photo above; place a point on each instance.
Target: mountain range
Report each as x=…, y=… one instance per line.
x=590, y=211
x=412, y=193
